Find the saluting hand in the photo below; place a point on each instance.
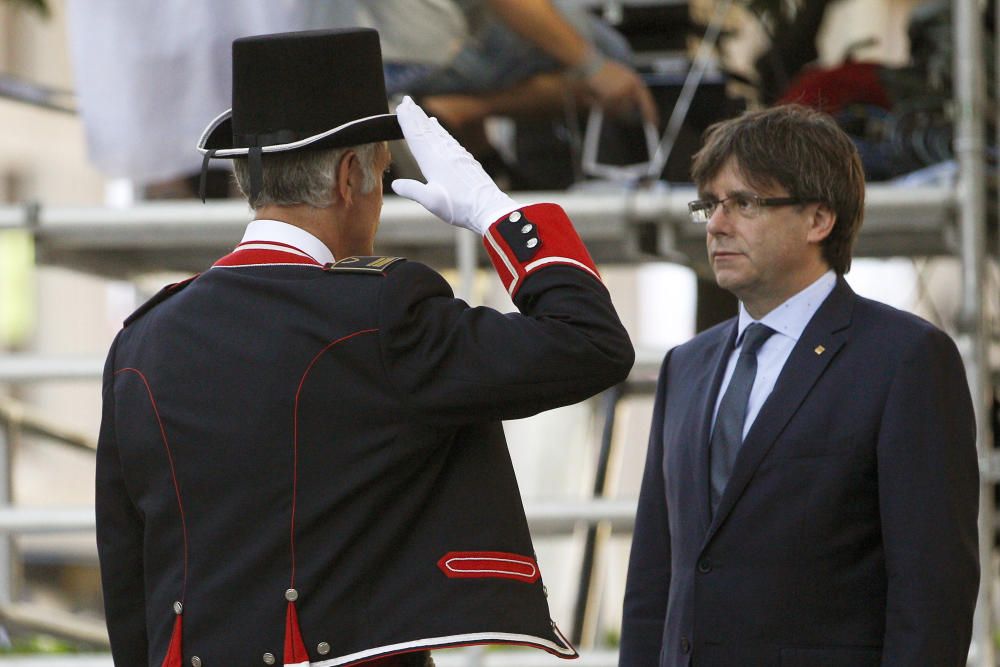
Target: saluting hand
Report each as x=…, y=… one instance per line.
x=458, y=190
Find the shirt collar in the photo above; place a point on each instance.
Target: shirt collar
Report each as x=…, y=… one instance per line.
x=282, y=232
x=791, y=317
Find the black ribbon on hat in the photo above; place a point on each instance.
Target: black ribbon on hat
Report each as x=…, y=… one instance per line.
x=203, y=179
x=268, y=138
x=254, y=164
x=256, y=172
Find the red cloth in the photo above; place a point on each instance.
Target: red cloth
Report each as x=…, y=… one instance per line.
x=831, y=90
x=553, y=240
x=174, y=656
x=295, y=649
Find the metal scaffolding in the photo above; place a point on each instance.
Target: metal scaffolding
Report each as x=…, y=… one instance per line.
x=619, y=226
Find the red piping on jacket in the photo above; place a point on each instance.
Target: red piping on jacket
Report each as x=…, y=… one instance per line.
x=173, y=472
x=295, y=437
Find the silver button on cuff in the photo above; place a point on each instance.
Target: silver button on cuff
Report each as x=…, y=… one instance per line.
x=323, y=648
x=515, y=216
x=526, y=229
x=195, y=661
x=269, y=659
x=291, y=595
x=178, y=608
x=532, y=243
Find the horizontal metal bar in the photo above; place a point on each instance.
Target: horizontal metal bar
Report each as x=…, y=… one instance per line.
x=563, y=516
x=32, y=368
x=59, y=622
x=17, y=416
x=22, y=368
x=615, y=223
x=29, y=92
x=13, y=217
x=194, y=222
x=40, y=520
x=544, y=517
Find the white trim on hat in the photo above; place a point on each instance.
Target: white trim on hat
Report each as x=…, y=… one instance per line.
x=218, y=120
x=276, y=148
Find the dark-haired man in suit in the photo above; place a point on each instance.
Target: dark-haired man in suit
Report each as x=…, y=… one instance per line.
x=811, y=484
x=301, y=460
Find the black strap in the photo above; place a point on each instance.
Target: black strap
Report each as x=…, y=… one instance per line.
x=256, y=172
x=204, y=173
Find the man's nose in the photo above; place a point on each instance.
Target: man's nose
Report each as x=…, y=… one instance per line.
x=718, y=222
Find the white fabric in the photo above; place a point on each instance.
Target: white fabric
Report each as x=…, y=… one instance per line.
x=563, y=649
x=788, y=320
x=428, y=32
x=151, y=74
x=282, y=232
x=458, y=190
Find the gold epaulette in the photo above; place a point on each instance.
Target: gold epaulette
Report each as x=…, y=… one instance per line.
x=377, y=265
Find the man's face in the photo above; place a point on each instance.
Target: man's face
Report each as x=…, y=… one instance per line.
x=765, y=259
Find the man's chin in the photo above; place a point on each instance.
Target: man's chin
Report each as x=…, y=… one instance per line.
x=727, y=280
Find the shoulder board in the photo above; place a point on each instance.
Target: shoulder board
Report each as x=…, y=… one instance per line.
x=159, y=297
x=375, y=265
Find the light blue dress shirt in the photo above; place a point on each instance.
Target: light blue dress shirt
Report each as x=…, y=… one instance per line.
x=788, y=320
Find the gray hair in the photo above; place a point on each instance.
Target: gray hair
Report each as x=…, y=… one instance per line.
x=304, y=177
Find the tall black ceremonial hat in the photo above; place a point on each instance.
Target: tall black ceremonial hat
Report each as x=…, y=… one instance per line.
x=301, y=90
x=297, y=90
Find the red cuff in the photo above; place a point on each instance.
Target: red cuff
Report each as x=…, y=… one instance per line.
x=532, y=238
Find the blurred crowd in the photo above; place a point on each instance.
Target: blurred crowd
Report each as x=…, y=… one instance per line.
x=148, y=73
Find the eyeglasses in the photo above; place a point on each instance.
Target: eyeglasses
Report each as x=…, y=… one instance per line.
x=746, y=205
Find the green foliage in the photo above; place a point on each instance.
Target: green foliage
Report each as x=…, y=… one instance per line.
x=38, y=644
x=40, y=6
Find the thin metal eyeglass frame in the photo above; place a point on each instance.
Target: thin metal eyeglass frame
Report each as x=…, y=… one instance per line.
x=700, y=210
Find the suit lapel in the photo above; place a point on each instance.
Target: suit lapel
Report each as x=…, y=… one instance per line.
x=827, y=332
x=720, y=351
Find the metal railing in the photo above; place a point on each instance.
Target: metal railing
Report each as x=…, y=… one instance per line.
x=545, y=518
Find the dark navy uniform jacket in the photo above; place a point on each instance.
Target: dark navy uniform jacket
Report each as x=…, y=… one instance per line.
x=846, y=536
x=303, y=464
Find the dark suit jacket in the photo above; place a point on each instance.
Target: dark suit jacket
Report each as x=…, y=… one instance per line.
x=847, y=533
x=337, y=431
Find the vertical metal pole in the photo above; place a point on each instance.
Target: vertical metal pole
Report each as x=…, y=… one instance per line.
x=583, y=621
x=971, y=196
x=7, y=440
x=465, y=260
x=702, y=59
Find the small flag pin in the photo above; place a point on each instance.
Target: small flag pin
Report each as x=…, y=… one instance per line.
x=819, y=349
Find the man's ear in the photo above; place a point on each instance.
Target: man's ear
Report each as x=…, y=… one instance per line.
x=345, y=183
x=821, y=224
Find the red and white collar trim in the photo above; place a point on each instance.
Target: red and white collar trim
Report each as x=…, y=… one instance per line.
x=275, y=243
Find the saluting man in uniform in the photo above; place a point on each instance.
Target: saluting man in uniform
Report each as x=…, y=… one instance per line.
x=301, y=460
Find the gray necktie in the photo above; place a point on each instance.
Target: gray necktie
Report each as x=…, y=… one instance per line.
x=728, y=433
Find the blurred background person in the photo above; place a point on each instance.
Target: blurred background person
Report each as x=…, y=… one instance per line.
x=163, y=65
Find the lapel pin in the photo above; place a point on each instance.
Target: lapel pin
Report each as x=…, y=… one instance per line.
x=819, y=349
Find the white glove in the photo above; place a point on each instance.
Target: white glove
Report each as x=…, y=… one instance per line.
x=458, y=190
